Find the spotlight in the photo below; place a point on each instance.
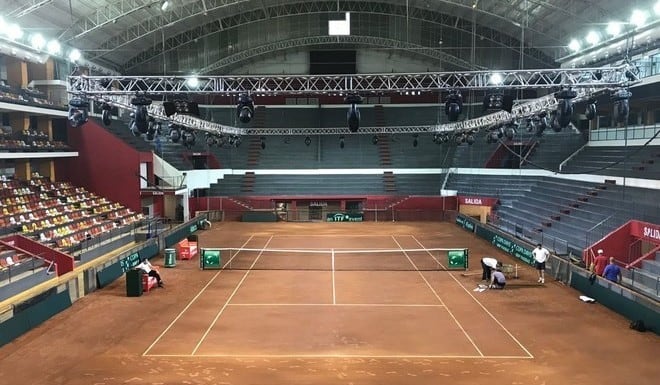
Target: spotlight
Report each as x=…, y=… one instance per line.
x=341, y=141
x=574, y=45
x=459, y=138
x=151, y=130
x=510, y=132
x=353, y=114
x=235, y=140
x=188, y=138
x=141, y=115
x=37, y=41
x=263, y=142
x=308, y=141
x=415, y=140
x=592, y=38
x=613, y=28
x=78, y=113
x=454, y=105
x=541, y=123
x=492, y=137
x=74, y=55
x=211, y=139
x=530, y=125
x=470, y=139
x=374, y=139
x=621, y=105
x=106, y=114
x=245, y=108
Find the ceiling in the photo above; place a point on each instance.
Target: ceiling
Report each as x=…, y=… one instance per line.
x=123, y=34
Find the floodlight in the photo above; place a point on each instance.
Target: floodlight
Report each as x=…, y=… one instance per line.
x=164, y=5
x=638, y=18
x=188, y=138
x=497, y=102
x=574, y=45
x=175, y=133
x=353, y=113
x=613, y=28
x=308, y=141
x=193, y=82
x=106, y=114
x=13, y=31
x=263, y=142
x=470, y=139
x=415, y=142
x=140, y=121
x=374, y=139
x=74, y=55
x=591, y=110
x=593, y=38
x=341, y=141
x=656, y=8
x=37, y=41
x=621, y=105
x=53, y=47
x=496, y=78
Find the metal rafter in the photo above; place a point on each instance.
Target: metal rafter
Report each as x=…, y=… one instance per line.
x=282, y=10
x=231, y=21
x=320, y=40
x=362, y=83
x=27, y=7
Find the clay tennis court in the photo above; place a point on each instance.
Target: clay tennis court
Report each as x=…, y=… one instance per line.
x=334, y=322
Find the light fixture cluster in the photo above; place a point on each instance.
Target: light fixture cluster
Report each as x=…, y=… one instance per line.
x=638, y=18
x=14, y=33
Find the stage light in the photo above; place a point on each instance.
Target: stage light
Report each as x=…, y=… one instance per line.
x=151, y=130
x=193, y=82
x=175, y=133
x=13, y=31
x=656, y=8
x=374, y=139
x=308, y=141
x=78, y=113
x=496, y=78
x=106, y=114
x=492, y=137
x=564, y=108
x=574, y=45
x=211, y=139
x=621, y=105
x=188, y=138
x=263, y=142
x=498, y=102
x=341, y=141
x=353, y=114
x=140, y=121
x=454, y=105
x=245, y=108
x=415, y=142
x=470, y=139
x=459, y=138
x=510, y=132
x=164, y=5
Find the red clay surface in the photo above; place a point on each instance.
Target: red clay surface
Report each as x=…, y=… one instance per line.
x=369, y=327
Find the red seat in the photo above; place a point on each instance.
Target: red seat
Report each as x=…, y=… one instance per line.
x=148, y=282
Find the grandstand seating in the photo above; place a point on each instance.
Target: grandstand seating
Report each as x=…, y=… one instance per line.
x=553, y=148
x=58, y=214
x=28, y=140
x=632, y=161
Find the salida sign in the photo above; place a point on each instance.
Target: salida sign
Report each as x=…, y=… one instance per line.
x=477, y=201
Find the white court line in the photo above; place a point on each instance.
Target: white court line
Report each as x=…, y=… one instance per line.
x=229, y=299
x=191, y=302
x=334, y=291
x=483, y=307
x=339, y=304
x=439, y=299
x=365, y=356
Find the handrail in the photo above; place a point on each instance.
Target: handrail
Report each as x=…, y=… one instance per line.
x=563, y=163
x=444, y=183
x=643, y=257
x=529, y=152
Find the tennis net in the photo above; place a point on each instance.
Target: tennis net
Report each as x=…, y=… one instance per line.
x=435, y=259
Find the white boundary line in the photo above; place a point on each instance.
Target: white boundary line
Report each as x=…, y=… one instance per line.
x=338, y=304
x=191, y=302
x=484, y=308
x=326, y=356
x=438, y=297
x=229, y=299
x=334, y=291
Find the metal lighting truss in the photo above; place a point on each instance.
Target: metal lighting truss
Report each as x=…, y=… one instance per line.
x=605, y=77
x=118, y=90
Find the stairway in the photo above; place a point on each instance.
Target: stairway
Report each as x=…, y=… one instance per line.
x=254, y=152
x=248, y=182
x=379, y=115
x=389, y=182
x=384, y=151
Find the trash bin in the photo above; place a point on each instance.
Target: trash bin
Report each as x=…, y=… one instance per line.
x=134, y=283
x=170, y=258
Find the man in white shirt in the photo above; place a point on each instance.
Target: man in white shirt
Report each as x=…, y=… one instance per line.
x=541, y=254
x=148, y=268
x=488, y=264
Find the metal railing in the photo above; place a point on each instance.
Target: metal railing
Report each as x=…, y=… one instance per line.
x=556, y=245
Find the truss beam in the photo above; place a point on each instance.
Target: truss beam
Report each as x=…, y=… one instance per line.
x=606, y=77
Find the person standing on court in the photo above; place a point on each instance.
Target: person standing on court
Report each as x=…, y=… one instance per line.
x=612, y=271
x=488, y=264
x=541, y=254
x=600, y=262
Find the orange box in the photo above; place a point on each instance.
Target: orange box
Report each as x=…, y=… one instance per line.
x=187, y=250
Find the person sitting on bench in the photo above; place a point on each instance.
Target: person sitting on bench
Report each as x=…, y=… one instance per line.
x=497, y=279
x=149, y=269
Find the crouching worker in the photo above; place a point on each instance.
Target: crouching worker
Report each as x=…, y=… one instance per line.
x=150, y=270
x=497, y=279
